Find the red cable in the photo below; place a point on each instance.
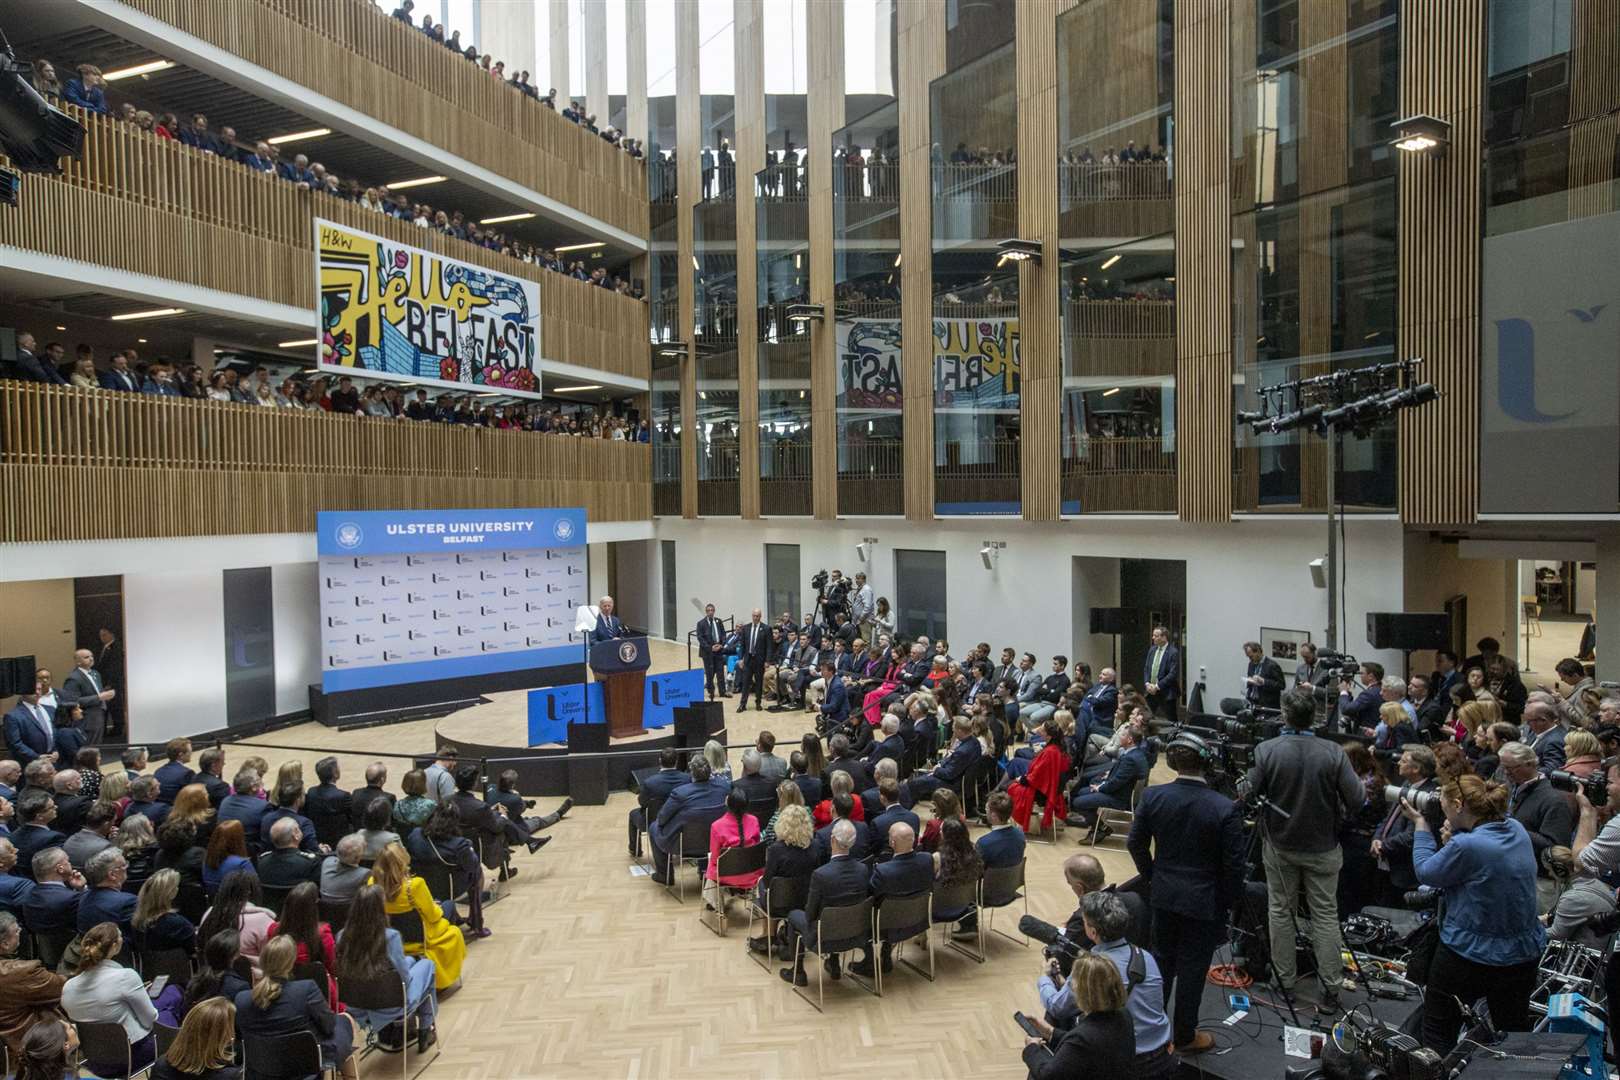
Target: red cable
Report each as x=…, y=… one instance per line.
x=1230, y=975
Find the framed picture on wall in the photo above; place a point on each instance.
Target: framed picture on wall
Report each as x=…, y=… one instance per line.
x=1283, y=645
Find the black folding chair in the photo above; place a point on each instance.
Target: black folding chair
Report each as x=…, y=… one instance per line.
x=314, y=971
x=107, y=1046
x=383, y=993
x=496, y=893
x=784, y=894
x=165, y=1037
x=274, y=897
x=897, y=920
x=334, y=912
x=952, y=904
x=411, y=931
x=191, y=901
x=49, y=945
x=1002, y=886
x=691, y=849
x=839, y=930
x=732, y=862
x=284, y=1057
x=175, y=963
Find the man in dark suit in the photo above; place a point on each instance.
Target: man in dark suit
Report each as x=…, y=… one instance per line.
x=482, y=822
x=15, y=888
x=843, y=880
x=1113, y=789
x=119, y=377
x=32, y=368
x=1360, y=699
x=755, y=643
x=72, y=805
x=1546, y=735
x=844, y=760
x=885, y=769
x=244, y=806
x=143, y=799
x=175, y=774
x=1545, y=812
x=329, y=807
x=29, y=732
x=504, y=793
x=701, y=800
x=651, y=793
x=85, y=685
x=290, y=805
x=1161, y=675
x=843, y=809
x=755, y=787
x=1445, y=676
x=1097, y=708
x=890, y=813
x=212, y=775
x=1392, y=842
x=1263, y=683
x=799, y=772
x=608, y=625
x=1003, y=845
x=360, y=798
x=1187, y=840
x=1431, y=711
x=287, y=863
x=59, y=889
x=907, y=873
x=105, y=899
x=711, y=643
x=949, y=773
x=835, y=707
x=893, y=744
x=36, y=814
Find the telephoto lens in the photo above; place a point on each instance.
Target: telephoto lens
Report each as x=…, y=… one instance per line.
x=1420, y=800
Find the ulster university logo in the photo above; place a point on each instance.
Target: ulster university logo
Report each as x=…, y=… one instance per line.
x=627, y=652
x=349, y=535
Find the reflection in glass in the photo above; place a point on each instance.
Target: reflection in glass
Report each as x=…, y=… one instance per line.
x=783, y=264
x=714, y=277
x=975, y=301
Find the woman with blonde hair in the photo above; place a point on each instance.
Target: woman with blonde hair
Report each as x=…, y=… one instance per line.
x=1474, y=715
x=404, y=892
x=106, y=992
x=156, y=924
x=261, y=768
x=1102, y=1042
x=205, y=1047
x=714, y=752
x=280, y=1005
x=791, y=855
x=291, y=772
x=138, y=842
x=115, y=790
x=1583, y=754
x=787, y=794
x=193, y=807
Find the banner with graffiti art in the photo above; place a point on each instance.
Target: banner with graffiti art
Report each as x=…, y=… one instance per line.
x=410, y=314
x=976, y=364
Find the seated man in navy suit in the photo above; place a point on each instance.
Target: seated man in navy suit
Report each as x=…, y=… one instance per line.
x=890, y=814
x=33, y=834
x=1113, y=789
x=965, y=752
x=105, y=899
x=15, y=889
x=29, y=731
x=1097, y=708
x=244, y=806
x=54, y=903
x=290, y=804
x=143, y=799
x=888, y=769
x=651, y=794
x=701, y=800
x=909, y=872
x=1003, y=845
x=835, y=706
x=842, y=881
x=176, y=774
x=893, y=744
x=843, y=806
x=608, y=625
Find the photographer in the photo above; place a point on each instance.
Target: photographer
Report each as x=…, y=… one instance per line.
x=1490, y=938
x=1392, y=844
x=1310, y=780
x=1359, y=698
x=1543, y=810
x=1187, y=841
x=1599, y=853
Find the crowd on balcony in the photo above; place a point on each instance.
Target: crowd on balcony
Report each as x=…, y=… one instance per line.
x=126, y=372
x=88, y=91
x=517, y=80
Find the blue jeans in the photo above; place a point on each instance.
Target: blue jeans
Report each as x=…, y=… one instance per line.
x=420, y=993
x=1087, y=803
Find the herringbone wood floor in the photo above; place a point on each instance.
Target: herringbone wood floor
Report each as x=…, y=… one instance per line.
x=594, y=973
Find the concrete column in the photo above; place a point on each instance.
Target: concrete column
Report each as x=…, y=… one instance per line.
x=594, y=16
x=512, y=26
x=559, y=52
x=202, y=353
x=635, y=67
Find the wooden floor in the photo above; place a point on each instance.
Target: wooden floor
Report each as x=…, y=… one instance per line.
x=594, y=973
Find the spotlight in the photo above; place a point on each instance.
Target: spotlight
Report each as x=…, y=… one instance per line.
x=805, y=313
x=34, y=134
x=1020, y=250
x=672, y=349
x=863, y=550
x=1421, y=134
x=991, y=552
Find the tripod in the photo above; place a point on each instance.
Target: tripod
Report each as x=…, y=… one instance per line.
x=1234, y=932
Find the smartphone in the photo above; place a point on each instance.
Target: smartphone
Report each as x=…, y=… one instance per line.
x=155, y=987
x=1028, y=1025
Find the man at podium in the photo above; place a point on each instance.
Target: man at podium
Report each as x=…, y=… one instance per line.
x=608, y=625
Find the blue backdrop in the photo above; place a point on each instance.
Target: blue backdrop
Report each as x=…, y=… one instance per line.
x=553, y=708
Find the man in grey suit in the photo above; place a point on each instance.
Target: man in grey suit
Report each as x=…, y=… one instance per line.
x=85, y=686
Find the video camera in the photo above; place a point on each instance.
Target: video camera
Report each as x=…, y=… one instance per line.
x=1054, y=946
x=1346, y=666
x=830, y=595
x=1596, y=785
x=1231, y=744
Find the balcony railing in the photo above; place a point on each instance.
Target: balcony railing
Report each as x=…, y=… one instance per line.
x=1087, y=455
x=154, y=206
x=1092, y=182
x=783, y=183
x=144, y=466
x=976, y=183
x=866, y=182
x=352, y=52
x=1120, y=318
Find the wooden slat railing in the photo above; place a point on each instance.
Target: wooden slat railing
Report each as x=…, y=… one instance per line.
x=143, y=466
x=1120, y=318
x=353, y=53
x=155, y=206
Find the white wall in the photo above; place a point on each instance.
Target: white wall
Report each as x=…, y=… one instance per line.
x=1096, y=584
x=295, y=598
x=174, y=645
x=1240, y=577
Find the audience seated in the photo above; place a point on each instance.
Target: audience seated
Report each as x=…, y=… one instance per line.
x=442, y=941
x=227, y=854
x=176, y=774
x=843, y=809
x=94, y=836
x=342, y=875
x=375, y=833
x=216, y=975
x=14, y=888
x=204, y=1048
x=441, y=841
x=193, y=807
x=735, y=828
x=35, y=814
x=890, y=814
x=842, y=880
x=28, y=992
x=105, y=901
x=139, y=844
x=238, y=906
x=279, y=1005
x=105, y=991
x=156, y=924
x=702, y=799
x=651, y=793
x=300, y=920
x=360, y=798
x=368, y=949
x=244, y=807
x=53, y=906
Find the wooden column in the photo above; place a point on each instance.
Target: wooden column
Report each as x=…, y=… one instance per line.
x=635, y=57
x=748, y=44
x=687, y=145
x=1442, y=55
x=558, y=16
x=922, y=59
x=1203, y=261
x=825, y=33
x=1039, y=319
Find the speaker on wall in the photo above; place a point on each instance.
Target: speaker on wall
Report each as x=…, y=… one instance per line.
x=1408, y=631
x=17, y=675
x=1116, y=620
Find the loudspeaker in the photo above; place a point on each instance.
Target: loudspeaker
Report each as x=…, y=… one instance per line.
x=587, y=776
x=1116, y=620
x=16, y=675
x=1408, y=631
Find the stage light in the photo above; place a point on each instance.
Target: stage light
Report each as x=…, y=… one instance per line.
x=34, y=134
x=805, y=313
x=1421, y=134
x=1020, y=250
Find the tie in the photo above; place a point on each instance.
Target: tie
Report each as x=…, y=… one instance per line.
x=42, y=719
x=1158, y=655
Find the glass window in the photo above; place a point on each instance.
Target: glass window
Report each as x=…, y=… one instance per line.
x=975, y=301
x=871, y=55
x=1117, y=243
x=866, y=282
x=782, y=260
x=1314, y=235
x=665, y=402
x=976, y=27
x=781, y=580
x=660, y=136
x=919, y=589
x=714, y=278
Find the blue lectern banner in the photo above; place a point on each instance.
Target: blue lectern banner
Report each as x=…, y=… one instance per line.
x=665, y=693
x=553, y=708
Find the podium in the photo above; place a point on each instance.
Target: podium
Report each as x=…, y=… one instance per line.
x=620, y=665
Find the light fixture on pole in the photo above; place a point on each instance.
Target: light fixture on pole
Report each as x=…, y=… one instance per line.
x=1016, y=250
x=863, y=550
x=1421, y=134
x=672, y=350
x=990, y=553
x=805, y=313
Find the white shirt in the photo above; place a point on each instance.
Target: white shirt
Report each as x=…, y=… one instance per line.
x=113, y=994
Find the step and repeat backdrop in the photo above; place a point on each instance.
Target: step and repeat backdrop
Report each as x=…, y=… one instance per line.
x=410, y=596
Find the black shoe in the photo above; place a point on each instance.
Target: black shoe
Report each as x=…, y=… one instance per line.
x=536, y=844
x=724, y=694
x=863, y=968
x=796, y=976
x=562, y=811
x=833, y=970
x=509, y=872
x=660, y=879
x=426, y=1037
x=759, y=945
x=1329, y=1005
x=742, y=707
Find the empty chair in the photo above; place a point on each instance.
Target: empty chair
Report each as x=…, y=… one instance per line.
x=1001, y=887
x=898, y=920
x=283, y=1057
x=838, y=930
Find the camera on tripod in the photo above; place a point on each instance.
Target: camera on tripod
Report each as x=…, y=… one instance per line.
x=1596, y=786
x=831, y=596
x=1420, y=800
x=1345, y=666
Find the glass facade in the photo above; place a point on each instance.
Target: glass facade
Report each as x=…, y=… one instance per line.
x=1550, y=384
x=714, y=278
x=1116, y=221
x=975, y=294
x=1314, y=251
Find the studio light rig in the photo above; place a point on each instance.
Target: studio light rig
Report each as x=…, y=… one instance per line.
x=1354, y=400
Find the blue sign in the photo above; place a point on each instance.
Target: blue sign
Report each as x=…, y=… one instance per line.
x=667, y=692
x=389, y=532
x=553, y=708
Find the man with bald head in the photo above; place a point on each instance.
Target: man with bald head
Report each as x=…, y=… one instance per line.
x=1545, y=732
x=285, y=865
x=15, y=889
x=909, y=872
x=755, y=642
x=841, y=881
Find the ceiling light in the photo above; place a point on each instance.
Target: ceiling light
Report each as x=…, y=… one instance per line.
x=1421, y=134
x=1020, y=250
x=139, y=69
x=140, y=341
x=61, y=328
x=672, y=349
x=897, y=260
x=804, y=313
x=573, y=389
x=1111, y=393
x=297, y=344
x=597, y=244
x=295, y=136
x=154, y=313
x=1112, y=259
x=420, y=181
x=505, y=218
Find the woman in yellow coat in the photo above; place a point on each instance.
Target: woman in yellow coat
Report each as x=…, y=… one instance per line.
x=405, y=892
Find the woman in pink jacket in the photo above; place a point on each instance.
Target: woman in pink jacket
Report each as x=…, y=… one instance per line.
x=735, y=828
